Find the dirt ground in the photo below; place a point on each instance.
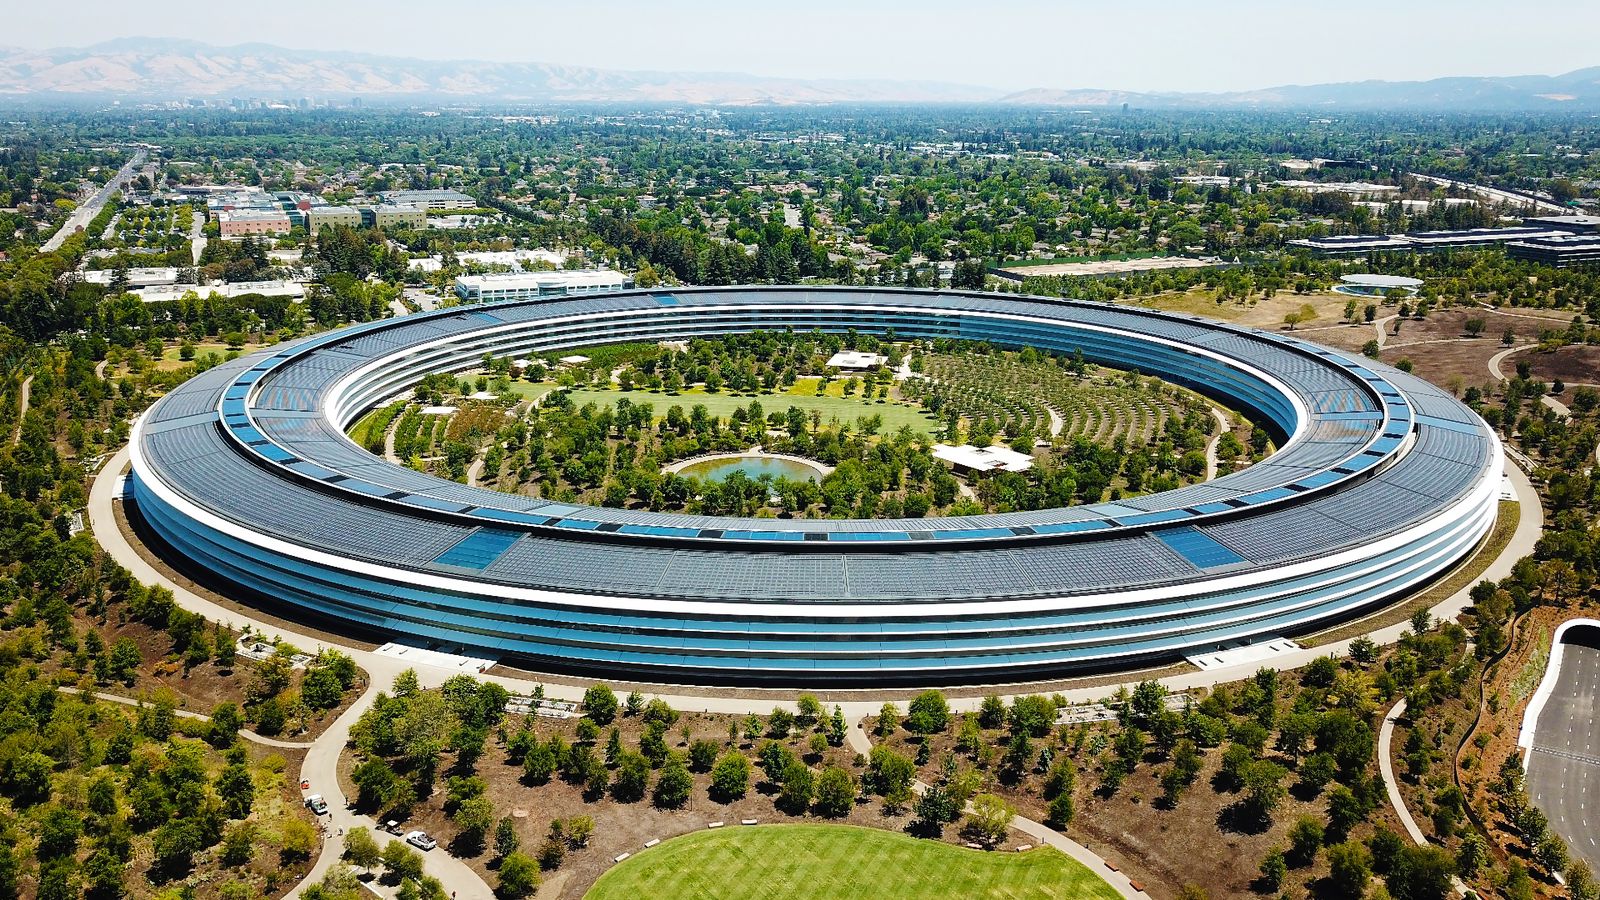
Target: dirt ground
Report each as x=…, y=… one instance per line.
x=1574, y=365
x=626, y=827
x=1164, y=849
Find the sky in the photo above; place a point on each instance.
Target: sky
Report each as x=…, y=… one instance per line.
x=1139, y=45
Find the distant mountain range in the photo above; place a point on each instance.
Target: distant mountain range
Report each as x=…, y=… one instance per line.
x=167, y=69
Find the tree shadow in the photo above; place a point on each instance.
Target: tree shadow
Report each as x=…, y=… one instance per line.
x=1243, y=817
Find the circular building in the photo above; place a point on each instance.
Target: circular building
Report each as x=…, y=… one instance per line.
x=1378, y=286
x=244, y=476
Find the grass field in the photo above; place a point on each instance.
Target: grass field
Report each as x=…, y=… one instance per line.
x=798, y=862
x=723, y=405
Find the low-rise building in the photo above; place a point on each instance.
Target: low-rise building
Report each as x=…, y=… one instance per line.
x=320, y=217
x=137, y=278
x=967, y=458
x=530, y=285
x=1560, y=251
x=243, y=222
x=856, y=361
x=391, y=215
x=431, y=199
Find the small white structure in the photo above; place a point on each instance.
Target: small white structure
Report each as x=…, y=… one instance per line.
x=574, y=360
x=1366, y=285
x=856, y=361
x=968, y=458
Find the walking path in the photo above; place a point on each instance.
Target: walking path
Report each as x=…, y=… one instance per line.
x=1392, y=785
x=1223, y=426
x=1550, y=402
x=856, y=738
x=24, y=394
x=1383, y=331
x=245, y=733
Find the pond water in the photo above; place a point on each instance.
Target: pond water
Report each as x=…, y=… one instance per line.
x=752, y=466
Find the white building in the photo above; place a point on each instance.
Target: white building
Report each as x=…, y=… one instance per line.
x=967, y=458
x=431, y=200
x=856, y=361
x=137, y=278
x=530, y=285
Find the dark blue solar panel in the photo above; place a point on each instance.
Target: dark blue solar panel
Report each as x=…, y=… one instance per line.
x=1197, y=547
x=478, y=549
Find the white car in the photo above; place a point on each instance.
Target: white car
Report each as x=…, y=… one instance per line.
x=420, y=840
x=317, y=805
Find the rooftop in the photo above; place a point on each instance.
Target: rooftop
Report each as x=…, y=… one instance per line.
x=983, y=459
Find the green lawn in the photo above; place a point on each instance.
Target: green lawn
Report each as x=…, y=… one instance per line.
x=723, y=405
x=798, y=862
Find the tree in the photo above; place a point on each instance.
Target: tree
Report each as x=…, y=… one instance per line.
x=836, y=793
x=519, y=876
x=990, y=817
x=1274, y=869
x=1349, y=870
x=934, y=809
x=1305, y=839
x=928, y=713
x=1421, y=873
x=674, y=783
x=797, y=784
x=226, y=720
x=474, y=816
x=730, y=777
x=600, y=704
x=361, y=850
x=632, y=777
x=890, y=775
x=401, y=861
x=506, y=841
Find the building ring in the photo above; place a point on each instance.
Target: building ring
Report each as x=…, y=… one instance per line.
x=1382, y=483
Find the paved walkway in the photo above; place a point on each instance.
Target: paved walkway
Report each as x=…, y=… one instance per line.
x=245, y=733
x=24, y=395
x=1223, y=426
x=1392, y=785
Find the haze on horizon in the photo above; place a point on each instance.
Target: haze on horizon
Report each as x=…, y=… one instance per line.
x=1138, y=45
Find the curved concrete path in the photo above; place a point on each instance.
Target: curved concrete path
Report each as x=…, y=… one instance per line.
x=245, y=733
x=1392, y=785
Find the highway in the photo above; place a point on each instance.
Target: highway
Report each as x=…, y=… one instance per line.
x=86, y=211
x=1564, y=762
x=1495, y=195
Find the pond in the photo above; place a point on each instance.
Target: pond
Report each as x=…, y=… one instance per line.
x=753, y=467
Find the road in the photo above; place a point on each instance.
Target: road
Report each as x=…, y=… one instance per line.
x=1493, y=194
x=1564, y=761
x=85, y=213
x=197, y=235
